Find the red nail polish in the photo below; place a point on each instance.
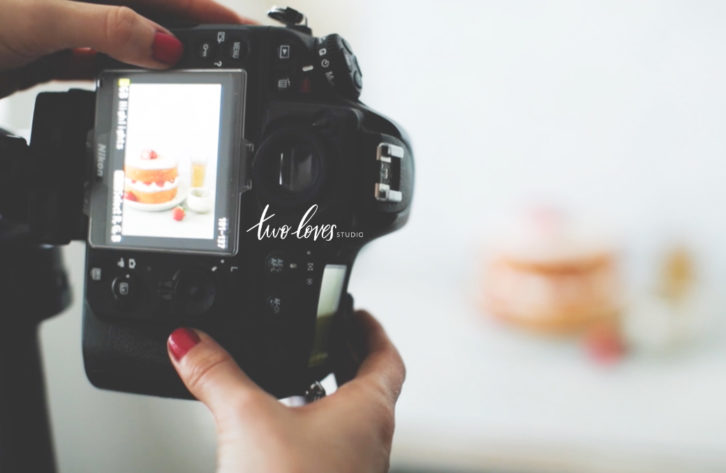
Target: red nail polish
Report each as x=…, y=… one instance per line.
x=167, y=48
x=181, y=341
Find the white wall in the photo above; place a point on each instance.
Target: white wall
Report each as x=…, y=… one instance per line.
x=614, y=109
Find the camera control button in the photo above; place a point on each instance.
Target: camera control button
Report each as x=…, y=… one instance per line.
x=274, y=305
x=125, y=290
x=194, y=292
x=283, y=83
x=96, y=274
x=207, y=50
x=278, y=263
x=283, y=52
x=275, y=263
x=237, y=50
x=165, y=290
x=340, y=66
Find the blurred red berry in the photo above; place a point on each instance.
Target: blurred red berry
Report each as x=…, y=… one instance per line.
x=178, y=214
x=149, y=154
x=130, y=196
x=604, y=344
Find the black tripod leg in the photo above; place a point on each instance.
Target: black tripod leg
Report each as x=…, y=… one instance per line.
x=25, y=437
x=33, y=287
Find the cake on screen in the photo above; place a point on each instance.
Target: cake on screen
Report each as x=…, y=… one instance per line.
x=151, y=178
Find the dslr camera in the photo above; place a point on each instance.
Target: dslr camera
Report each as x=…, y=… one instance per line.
x=230, y=194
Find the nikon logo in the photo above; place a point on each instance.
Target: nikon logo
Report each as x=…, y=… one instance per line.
x=100, y=159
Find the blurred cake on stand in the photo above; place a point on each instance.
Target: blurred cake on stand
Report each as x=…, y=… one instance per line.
x=551, y=274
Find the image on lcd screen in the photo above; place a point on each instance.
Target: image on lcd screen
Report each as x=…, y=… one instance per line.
x=171, y=160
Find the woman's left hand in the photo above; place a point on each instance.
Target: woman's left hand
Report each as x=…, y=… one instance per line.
x=41, y=40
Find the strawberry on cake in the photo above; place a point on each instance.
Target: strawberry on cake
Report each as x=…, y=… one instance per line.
x=151, y=178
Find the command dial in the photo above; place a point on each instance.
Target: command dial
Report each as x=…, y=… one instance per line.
x=340, y=66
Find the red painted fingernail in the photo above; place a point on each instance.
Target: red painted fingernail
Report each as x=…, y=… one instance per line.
x=167, y=48
x=181, y=341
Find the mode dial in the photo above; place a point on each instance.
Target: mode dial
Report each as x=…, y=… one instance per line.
x=340, y=66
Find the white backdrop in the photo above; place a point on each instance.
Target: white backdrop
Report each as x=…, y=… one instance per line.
x=614, y=109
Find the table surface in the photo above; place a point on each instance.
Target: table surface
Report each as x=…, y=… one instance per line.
x=482, y=395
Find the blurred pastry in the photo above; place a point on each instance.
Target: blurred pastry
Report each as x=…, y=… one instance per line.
x=551, y=274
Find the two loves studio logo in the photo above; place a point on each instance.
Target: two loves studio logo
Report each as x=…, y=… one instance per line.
x=305, y=230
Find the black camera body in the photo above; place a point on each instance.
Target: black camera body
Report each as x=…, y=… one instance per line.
x=249, y=235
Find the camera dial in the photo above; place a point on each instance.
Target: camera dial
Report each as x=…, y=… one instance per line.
x=340, y=66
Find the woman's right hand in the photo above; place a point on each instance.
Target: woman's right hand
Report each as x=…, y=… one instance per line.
x=348, y=431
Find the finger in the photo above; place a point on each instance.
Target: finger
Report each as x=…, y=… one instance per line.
x=117, y=31
x=383, y=366
x=212, y=376
x=203, y=11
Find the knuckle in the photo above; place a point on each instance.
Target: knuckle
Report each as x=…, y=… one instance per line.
x=380, y=394
x=386, y=427
x=383, y=413
x=120, y=25
x=399, y=365
x=394, y=373
x=202, y=370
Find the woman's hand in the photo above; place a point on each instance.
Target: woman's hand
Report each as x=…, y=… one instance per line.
x=348, y=431
x=42, y=40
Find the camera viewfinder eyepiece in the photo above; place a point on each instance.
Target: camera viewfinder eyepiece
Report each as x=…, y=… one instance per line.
x=290, y=168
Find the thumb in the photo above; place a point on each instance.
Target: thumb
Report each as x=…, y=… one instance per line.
x=212, y=376
x=117, y=31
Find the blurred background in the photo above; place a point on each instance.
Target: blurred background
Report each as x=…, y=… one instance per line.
x=556, y=295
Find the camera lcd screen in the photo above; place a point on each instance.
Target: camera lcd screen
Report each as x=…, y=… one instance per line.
x=172, y=147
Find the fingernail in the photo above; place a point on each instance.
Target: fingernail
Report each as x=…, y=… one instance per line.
x=167, y=48
x=181, y=341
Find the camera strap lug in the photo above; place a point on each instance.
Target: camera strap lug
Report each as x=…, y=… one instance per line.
x=315, y=392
